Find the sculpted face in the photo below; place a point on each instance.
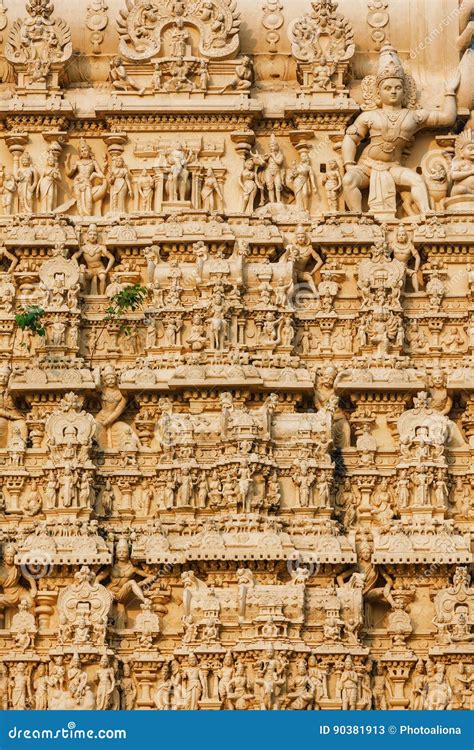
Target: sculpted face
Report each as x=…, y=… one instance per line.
x=468, y=151
x=402, y=233
x=84, y=151
x=122, y=552
x=391, y=91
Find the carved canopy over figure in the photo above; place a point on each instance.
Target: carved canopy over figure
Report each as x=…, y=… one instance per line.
x=390, y=122
x=322, y=33
x=38, y=42
x=142, y=23
x=69, y=431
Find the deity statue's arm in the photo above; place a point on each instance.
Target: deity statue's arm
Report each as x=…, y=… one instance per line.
x=77, y=254
x=146, y=577
x=447, y=115
x=103, y=574
x=448, y=405
x=32, y=582
x=129, y=183
x=353, y=137
x=34, y=178
x=70, y=168
x=98, y=171
x=460, y=174
x=416, y=255
x=317, y=259
x=345, y=574
x=111, y=260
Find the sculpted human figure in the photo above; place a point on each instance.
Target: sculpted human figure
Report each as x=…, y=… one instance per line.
x=128, y=688
x=193, y=683
x=301, y=690
x=105, y=678
x=371, y=574
x=239, y=691
x=112, y=402
x=211, y=193
x=47, y=187
x=76, y=678
x=302, y=181
x=26, y=179
x=8, y=188
x=178, y=173
x=146, y=188
x=41, y=688
x=120, y=185
x=462, y=166
x=226, y=674
x=10, y=416
x=243, y=78
x=85, y=172
x=249, y=185
x=302, y=253
x=120, y=79
x=92, y=252
x=332, y=182
x=20, y=691
x=389, y=125
x=349, y=686
x=122, y=578
x=438, y=692
x=404, y=250
x=271, y=679
x=323, y=393
x=4, y=687
x=273, y=173
x=11, y=576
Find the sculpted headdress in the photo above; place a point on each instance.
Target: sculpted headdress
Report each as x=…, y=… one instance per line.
x=389, y=66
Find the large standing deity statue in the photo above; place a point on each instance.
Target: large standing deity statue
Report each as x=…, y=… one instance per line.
x=389, y=124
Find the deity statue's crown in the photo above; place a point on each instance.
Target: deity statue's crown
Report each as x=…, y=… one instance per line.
x=390, y=65
x=467, y=136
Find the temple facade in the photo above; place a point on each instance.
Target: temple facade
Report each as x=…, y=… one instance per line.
x=236, y=354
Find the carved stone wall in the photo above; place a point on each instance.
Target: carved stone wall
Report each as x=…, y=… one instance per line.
x=255, y=489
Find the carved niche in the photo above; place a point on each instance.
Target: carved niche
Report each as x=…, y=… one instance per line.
x=146, y=29
x=38, y=47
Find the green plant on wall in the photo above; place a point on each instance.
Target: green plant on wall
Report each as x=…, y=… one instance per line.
x=129, y=299
x=30, y=319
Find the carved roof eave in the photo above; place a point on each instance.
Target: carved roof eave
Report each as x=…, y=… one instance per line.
x=367, y=385
x=226, y=382
x=304, y=109
x=243, y=554
x=428, y=557
x=59, y=387
x=205, y=109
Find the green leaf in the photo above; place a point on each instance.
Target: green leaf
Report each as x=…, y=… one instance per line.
x=30, y=319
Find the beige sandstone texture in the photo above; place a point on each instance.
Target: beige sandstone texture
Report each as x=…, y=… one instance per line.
x=254, y=490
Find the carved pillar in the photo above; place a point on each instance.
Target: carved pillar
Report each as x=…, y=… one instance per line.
x=147, y=417
x=115, y=143
x=44, y=608
x=145, y=672
x=366, y=484
x=398, y=672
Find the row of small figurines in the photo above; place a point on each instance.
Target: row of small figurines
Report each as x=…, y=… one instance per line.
x=267, y=681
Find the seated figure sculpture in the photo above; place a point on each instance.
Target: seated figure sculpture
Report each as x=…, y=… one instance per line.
x=389, y=125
